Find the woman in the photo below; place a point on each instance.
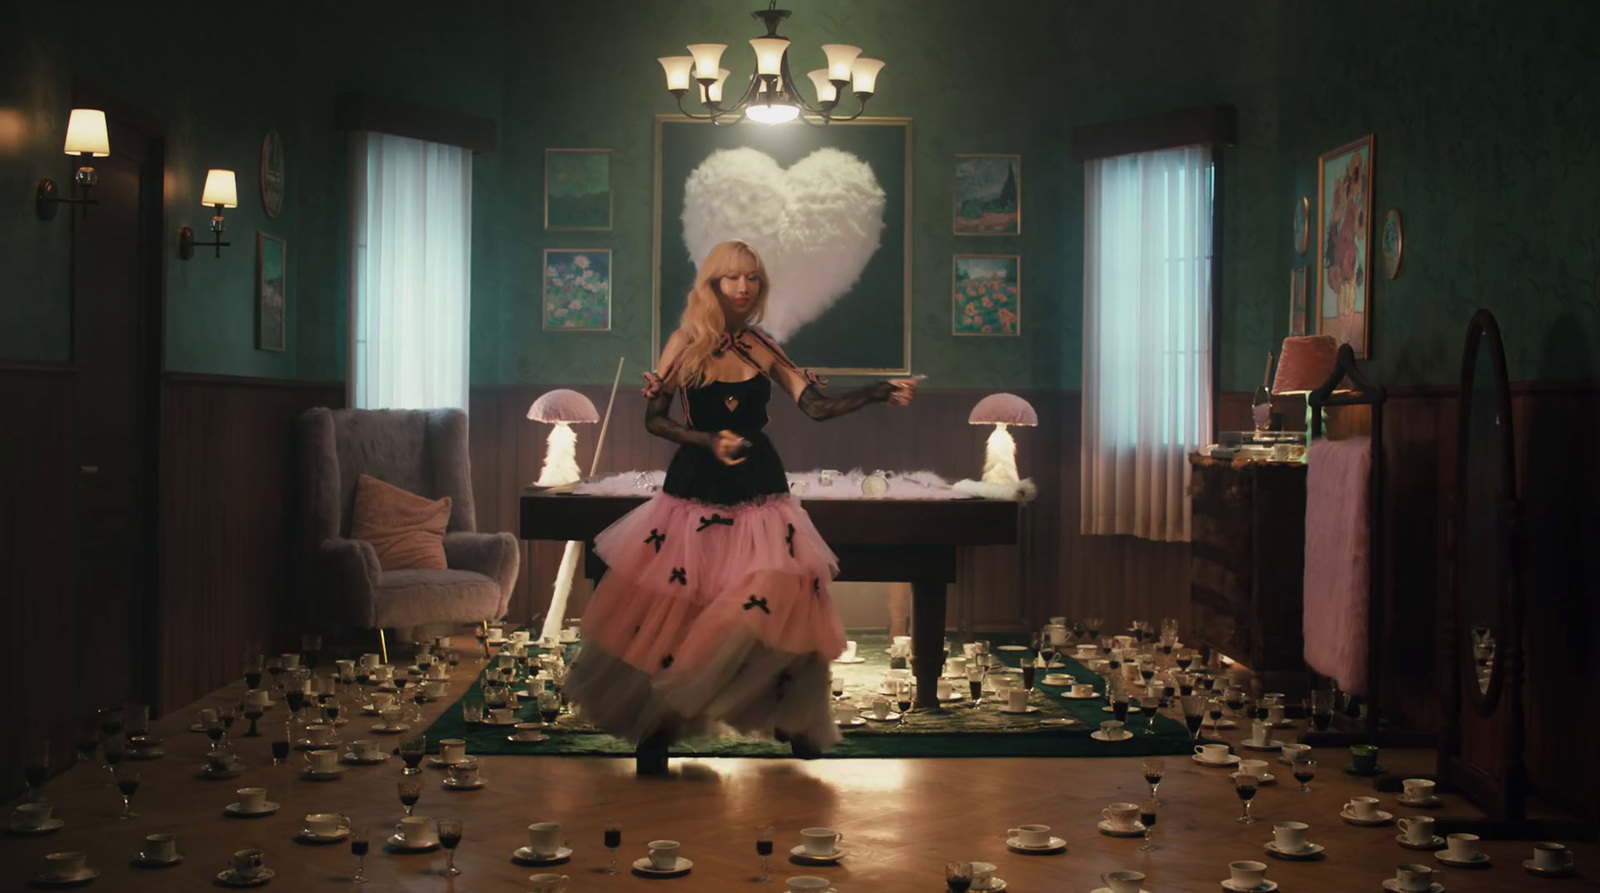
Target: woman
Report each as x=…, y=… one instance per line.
x=715, y=611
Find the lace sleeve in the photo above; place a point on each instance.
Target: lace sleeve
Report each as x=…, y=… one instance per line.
x=814, y=403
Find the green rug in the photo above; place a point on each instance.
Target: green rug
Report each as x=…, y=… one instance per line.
x=958, y=730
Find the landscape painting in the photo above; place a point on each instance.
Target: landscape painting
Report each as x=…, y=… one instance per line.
x=987, y=295
x=988, y=195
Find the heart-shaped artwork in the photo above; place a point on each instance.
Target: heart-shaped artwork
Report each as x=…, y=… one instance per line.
x=816, y=224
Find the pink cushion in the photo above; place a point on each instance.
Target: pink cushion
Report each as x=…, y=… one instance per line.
x=406, y=530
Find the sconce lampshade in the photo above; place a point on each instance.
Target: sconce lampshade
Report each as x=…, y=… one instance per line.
x=1003, y=409
x=221, y=189
x=1305, y=363
x=86, y=133
x=563, y=405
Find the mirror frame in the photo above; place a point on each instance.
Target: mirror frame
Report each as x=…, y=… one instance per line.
x=1483, y=333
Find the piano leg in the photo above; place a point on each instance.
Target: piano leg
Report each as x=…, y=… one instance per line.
x=927, y=638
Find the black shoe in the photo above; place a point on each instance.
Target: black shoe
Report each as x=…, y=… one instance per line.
x=650, y=757
x=803, y=748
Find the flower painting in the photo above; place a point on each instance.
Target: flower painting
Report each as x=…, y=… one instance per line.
x=577, y=289
x=1344, y=243
x=987, y=295
x=271, y=291
x=988, y=195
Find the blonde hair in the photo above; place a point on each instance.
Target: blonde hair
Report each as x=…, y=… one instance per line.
x=703, y=324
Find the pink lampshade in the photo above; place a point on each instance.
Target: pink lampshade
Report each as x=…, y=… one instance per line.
x=1003, y=409
x=563, y=405
x=1305, y=364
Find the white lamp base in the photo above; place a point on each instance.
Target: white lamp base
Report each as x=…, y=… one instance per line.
x=560, y=457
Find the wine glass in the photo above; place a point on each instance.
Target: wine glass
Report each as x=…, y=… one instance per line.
x=903, y=699
x=838, y=688
x=252, y=712
x=958, y=876
x=1245, y=786
x=280, y=748
x=1153, y=771
x=975, y=685
x=401, y=680
x=226, y=715
x=1093, y=625
x=410, y=792
x=1193, y=714
x=127, y=783
x=613, y=842
x=358, y=848
x=35, y=766
x=1147, y=817
x=1234, y=698
x=549, y=704
x=411, y=751
x=275, y=669
x=88, y=740
x=764, y=849
x=450, y=837
x=1305, y=769
x=1148, y=705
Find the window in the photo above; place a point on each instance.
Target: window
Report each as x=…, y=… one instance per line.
x=410, y=272
x=1147, y=338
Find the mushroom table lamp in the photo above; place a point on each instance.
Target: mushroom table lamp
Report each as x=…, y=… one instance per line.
x=562, y=407
x=1304, y=365
x=1000, y=455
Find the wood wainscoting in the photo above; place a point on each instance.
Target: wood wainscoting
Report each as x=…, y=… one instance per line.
x=228, y=582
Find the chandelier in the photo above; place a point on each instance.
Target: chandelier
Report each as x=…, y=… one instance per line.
x=770, y=97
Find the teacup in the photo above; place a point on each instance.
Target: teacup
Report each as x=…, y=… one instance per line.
x=527, y=731
x=1122, y=816
x=464, y=772
x=29, y=816
x=291, y=660
x=664, y=854
x=1082, y=689
x=1413, y=878
x=548, y=883
x=65, y=865
x=970, y=649
x=207, y=715
x=1551, y=857
x=248, y=864
x=820, y=841
x=1002, y=684
x=544, y=838
x=366, y=749
x=1058, y=621
x=416, y=831
x=1257, y=768
x=845, y=714
x=1123, y=881
x=1112, y=729
x=1212, y=753
x=942, y=689
x=1260, y=733
x=1248, y=874
x=521, y=636
x=955, y=666
x=849, y=650
x=1292, y=750
x=1088, y=650
x=1123, y=642
x=435, y=673
x=1290, y=837
x=1418, y=829
x=321, y=761
x=452, y=750
x=1017, y=700
x=880, y=708
x=1364, y=759
x=1419, y=790
x=390, y=715
x=502, y=715
x=160, y=847
x=382, y=700
x=434, y=688
x=370, y=660
x=1031, y=835
x=327, y=824
x=1362, y=807
x=319, y=734
x=1462, y=847
x=257, y=697
x=251, y=799
x=570, y=634
x=805, y=884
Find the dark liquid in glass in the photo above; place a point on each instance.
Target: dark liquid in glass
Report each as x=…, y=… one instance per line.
x=1148, y=674
x=958, y=884
x=1235, y=703
x=1246, y=792
x=412, y=758
x=1304, y=777
x=410, y=799
x=280, y=750
x=1193, y=722
x=450, y=841
x=1028, y=672
x=127, y=786
x=1149, y=710
x=332, y=710
x=1148, y=819
x=113, y=757
x=1166, y=649
x=1152, y=779
x=214, y=733
x=1119, y=709
x=253, y=679
x=763, y=848
x=34, y=775
x=87, y=747
x=613, y=838
x=1321, y=721
x=905, y=705
x=1115, y=664
x=550, y=716
x=296, y=699
x=1185, y=690
x=1215, y=714
x=976, y=686
x=1184, y=662
x=358, y=847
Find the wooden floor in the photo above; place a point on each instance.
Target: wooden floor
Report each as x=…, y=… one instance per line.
x=901, y=819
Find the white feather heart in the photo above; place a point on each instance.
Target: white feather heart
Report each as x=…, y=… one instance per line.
x=815, y=225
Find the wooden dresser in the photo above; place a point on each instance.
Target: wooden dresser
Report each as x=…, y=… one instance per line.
x=1246, y=563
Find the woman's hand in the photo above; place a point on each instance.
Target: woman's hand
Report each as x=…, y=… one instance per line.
x=904, y=390
x=727, y=446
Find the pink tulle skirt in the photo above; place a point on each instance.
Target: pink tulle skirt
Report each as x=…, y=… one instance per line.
x=710, y=618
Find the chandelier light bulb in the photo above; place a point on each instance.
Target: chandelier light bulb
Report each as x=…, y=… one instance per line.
x=826, y=91
x=840, y=57
x=769, y=54
x=714, y=91
x=865, y=73
x=677, y=69
x=777, y=113
x=706, y=58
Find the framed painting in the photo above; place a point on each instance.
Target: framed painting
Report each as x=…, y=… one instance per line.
x=1297, y=301
x=272, y=291
x=272, y=173
x=988, y=195
x=577, y=189
x=1344, y=244
x=986, y=294
x=577, y=290
x=1302, y=224
x=1394, y=243
x=829, y=211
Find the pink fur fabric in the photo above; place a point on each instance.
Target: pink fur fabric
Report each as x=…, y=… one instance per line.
x=1337, y=559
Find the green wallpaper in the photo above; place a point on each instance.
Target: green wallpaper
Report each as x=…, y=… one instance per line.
x=1484, y=118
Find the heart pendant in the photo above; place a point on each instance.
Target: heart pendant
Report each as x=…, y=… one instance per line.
x=732, y=401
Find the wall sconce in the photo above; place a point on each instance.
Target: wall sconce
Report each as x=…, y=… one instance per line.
x=222, y=191
x=86, y=138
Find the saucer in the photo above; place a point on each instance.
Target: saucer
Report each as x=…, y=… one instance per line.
x=140, y=860
x=327, y=775
x=1231, y=760
x=234, y=809
x=51, y=824
x=1101, y=736
x=1270, y=745
x=1092, y=696
x=229, y=878
x=1263, y=779
x=646, y=868
x=308, y=744
x=849, y=660
x=350, y=757
x=527, y=856
x=438, y=762
x=1312, y=851
x=1009, y=648
x=1111, y=830
x=399, y=845
x=1056, y=845
x=1536, y=871
x=1393, y=886
x=516, y=738
x=858, y=721
x=1350, y=769
x=306, y=835
x=1263, y=887
x=1059, y=721
x=452, y=784
x=82, y=876
x=1431, y=803
x=1028, y=709
x=488, y=721
x=996, y=884
x=955, y=697
x=383, y=728
x=1482, y=861
x=148, y=753
x=207, y=772
x=800, y=853
x=1108, y=890
x=1219, y=724
x=1383, y=818
x=1058, y=679
x=892, y=717
x=1433, y=844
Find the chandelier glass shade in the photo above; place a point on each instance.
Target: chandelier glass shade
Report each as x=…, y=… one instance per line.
x=770, y=97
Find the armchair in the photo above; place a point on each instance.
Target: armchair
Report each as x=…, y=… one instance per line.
x=424, y=452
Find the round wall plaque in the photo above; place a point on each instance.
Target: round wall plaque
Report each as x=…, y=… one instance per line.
x=1302, y=224
x=272, y=173
x=1393, y=243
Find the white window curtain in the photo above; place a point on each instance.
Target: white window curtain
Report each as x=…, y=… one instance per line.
x=410, y=272
x=1147, y=339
